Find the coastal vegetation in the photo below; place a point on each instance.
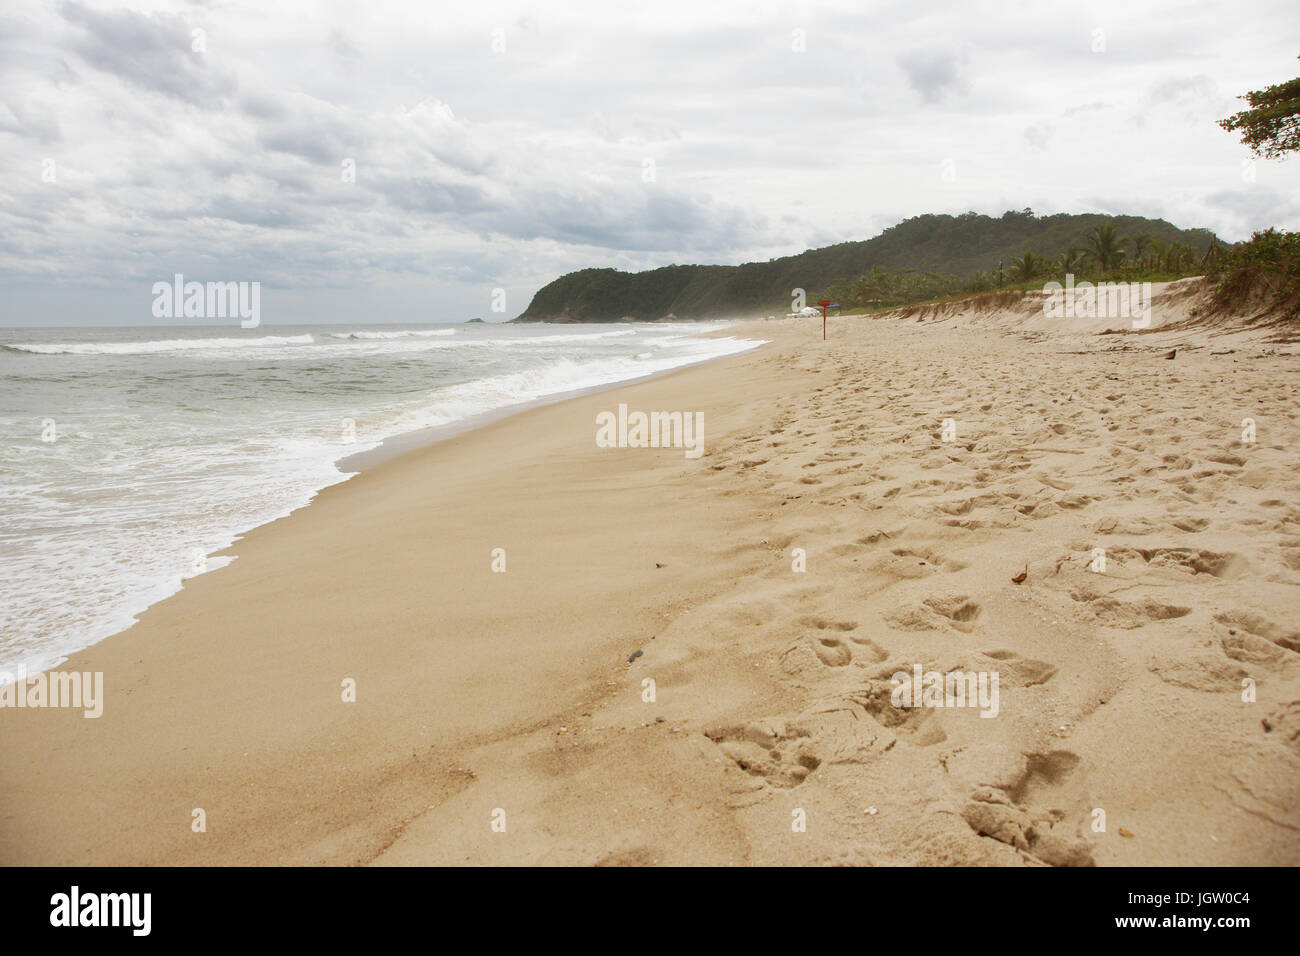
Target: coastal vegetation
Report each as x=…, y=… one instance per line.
x=1263, y=273
x=1103, y=254
x=921, y=258
x=1260, y=275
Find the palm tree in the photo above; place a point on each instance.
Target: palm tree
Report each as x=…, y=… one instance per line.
x=874, y=286
x=1140, y=245
x=1174, y=258
x=1027, y=266
x=1072, y=260
x=1107, y=246
x=1159, y=251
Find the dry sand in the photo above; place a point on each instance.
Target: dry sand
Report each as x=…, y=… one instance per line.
x=1120, y=691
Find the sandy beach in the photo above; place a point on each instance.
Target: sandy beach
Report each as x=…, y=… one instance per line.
x=920, y=489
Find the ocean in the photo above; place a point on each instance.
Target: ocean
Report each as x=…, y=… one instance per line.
x=129, y=455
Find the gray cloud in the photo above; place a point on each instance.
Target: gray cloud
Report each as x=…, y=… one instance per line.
x=935, y=74
x=1038, y=135
x=157, y=52
x=1251, y=207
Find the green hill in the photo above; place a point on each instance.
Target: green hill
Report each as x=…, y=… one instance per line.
x=955, y=245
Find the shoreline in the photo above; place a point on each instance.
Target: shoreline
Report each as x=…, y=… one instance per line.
x=397, y=445
x=526, y=691
x=350, y=464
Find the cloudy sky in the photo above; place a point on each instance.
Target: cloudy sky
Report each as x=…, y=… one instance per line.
x=401, y=161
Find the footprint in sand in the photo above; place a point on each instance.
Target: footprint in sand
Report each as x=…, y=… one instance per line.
x=919, y=726
x=1044, y=774
x=959, y=610
x=1196, y=561
x=1260, y=626
x=1112, y=612
x=782, y=755
x=1073, y=502
x=824, y=624
x=1017, y=671
x=871, y=651
x=1005, y=814
x=1201, y=669
x=832, y=651
x=930, y=559
x=1249, y=648
x=1133, y=526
